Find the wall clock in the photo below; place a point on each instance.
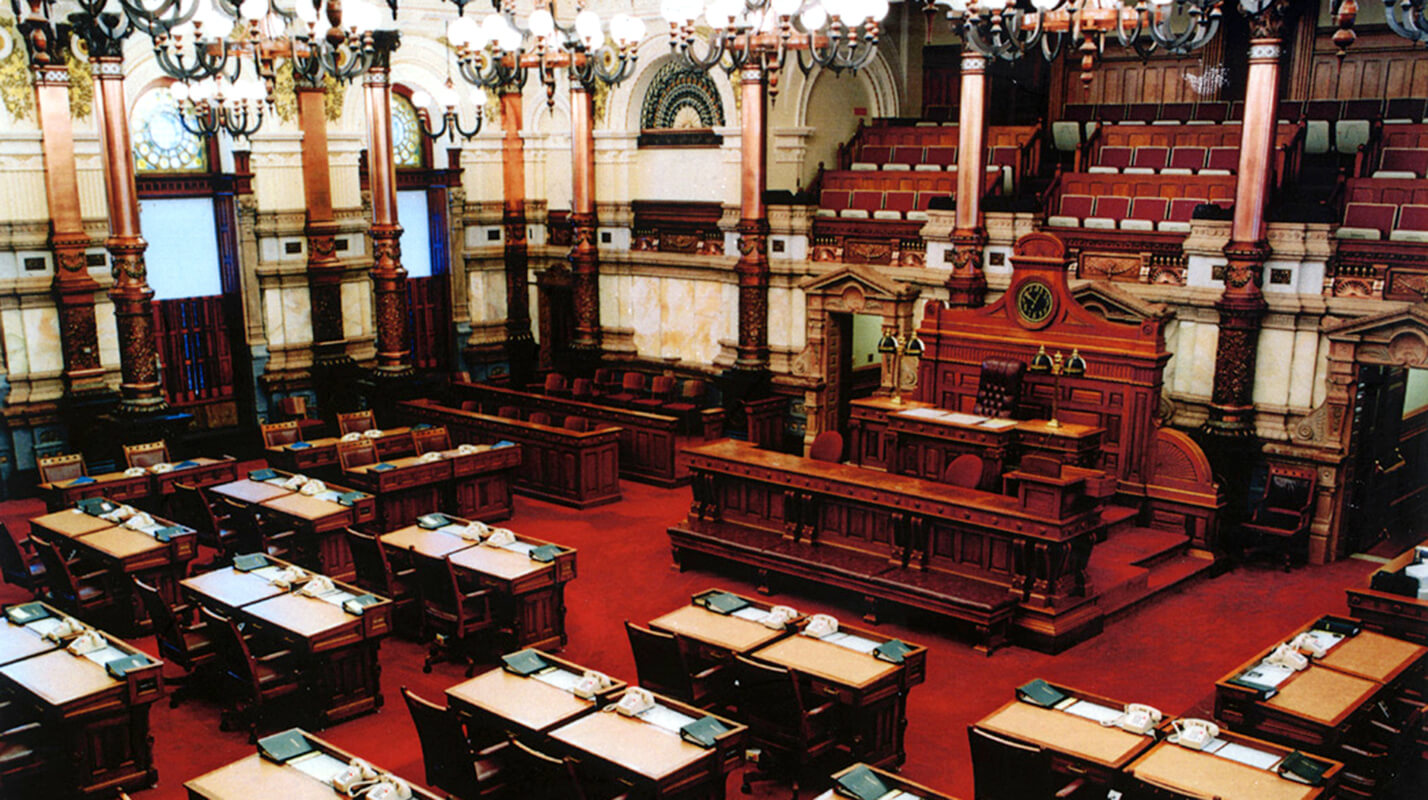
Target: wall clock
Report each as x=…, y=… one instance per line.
x=1035, y=303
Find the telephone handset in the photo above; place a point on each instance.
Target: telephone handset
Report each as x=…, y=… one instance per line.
x=820, y=625
x=320, y=584
x=358, y=772
x=69, y=626
x=390, y=788
x=779, y=616
x=1287, y=656
x=1137, y=718
x=88, y=642
x=1195, y=734
x=1308, y=642
x=591, y=684
x=635, y=701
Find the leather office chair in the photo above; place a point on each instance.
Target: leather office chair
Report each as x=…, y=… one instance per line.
x=254, y=532
x=792, y=732
x=376, y=575
x=187, y=507
x=432, y=440
x=576, y=424
x=662, y=667
x=277, y=434
x=457, y=617
x=632, y=388
x=1281, y=518
x=220, y=531
x=450, y=763
x=16, y=567
x=1007, y=770
x=356, y=421
x=260, y=683
x=964, y=471
x=83, y=595
x=181, y=640
x=827, y=446
x=999, y=388
x=146, y=455
x=352, y=455
x=554, y=778
x=55, y=469
x=661, y=392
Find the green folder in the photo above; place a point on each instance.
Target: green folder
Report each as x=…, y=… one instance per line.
x=359, y=604
x=349, y=498
x=249, y=562
x=83, y=480
x=1261, y=691
x=26, y=613
x=861, y=783
x=524, y=663
x=545, y=553
x=433, y=521
x=262, y=474
x=703, y=731
x=94, y=506
x=893, y=650
x=1299, y=767
x=120, y=667
x=1040, y=693
x=168, y=532
x=383, y=467
x=284, y=747
x=1339, y=626
x=721, y=602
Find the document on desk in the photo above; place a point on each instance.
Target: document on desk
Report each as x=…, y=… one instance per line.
x=1093, y=711
x=923, y=413
x=1324, y=640
x=665, y=718
x=998, y=424
x=1267, y=674
x=964, y=419
x=104, y=655
x=561, y=679
x=1246, y=755
x=751, y=613
x=318, y=765
x=44, y=626
x=848, y=640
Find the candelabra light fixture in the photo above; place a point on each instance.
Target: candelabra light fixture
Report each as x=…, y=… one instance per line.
x=209, y=106
x=836, y=34
x=1055, y=366
x=444, y=101
x=899, y=348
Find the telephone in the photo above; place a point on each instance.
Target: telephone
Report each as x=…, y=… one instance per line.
x=318, y=585
x=475, y=530
x=635, y=701
x=134, y=472
x=1195, y=734
x=294, y=483
x=287, y=576
x=87, y=642
x=390, y=788
x=373, y=433
x=1137, y=718
x=69, y=626
x=427, y=458
x=119, y=514
x=354, y=436
x=778, y=617
x=1288, y=657
x=161, y=468
x=591, y=683
x=139, y=521
x=820, y=625
x=313, y=488
x=1309, y=643
x=500, y=537
x=466, y=449
x=357, y=774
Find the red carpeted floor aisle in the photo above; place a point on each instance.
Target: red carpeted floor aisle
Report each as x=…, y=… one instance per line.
x=1167, y=653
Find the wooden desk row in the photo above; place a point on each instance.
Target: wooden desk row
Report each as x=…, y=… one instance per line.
x=649, y=442
x=149, y=489
x=646, y=751
x=1388, y=612
x=98, y=722
x=984, y=558
x=574, y=468
x=320, y=520
x=533, y=592
x=314, y=455
x=340, y=648
x=305, y=777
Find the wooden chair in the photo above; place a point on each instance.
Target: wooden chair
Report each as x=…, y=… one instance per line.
x=632, y=388
x=254, y=532
x=793, y=733
x=220, y=531
x=356, y=421
x=1008, y=770
x=539, y=418
x=187, y=506
x=554, y=385
x=607, y=381
x=451, y=766
x=277, y=434
x=964, y=471
x=473, y=406
x=146, y=455
x=432, y=440
x=661, y=392
x=259, y=683
x=360, y=453
x=458, y=618
x=54, y=469
x=376, y=575
x=827, y=446
x=1281, y=518
x=999, y=388
x=293, y=407
x=509, y=412
x=582, y=390
x=187, y=644
x=689, y=402
x=16, y=567
x=84, y=595
x=576, y=424
x=557, y=778
x=663, y=667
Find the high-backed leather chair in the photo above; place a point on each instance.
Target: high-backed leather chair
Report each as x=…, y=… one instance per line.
x=827, y=446
x=1006, y=770
x=261, y=683
x=1281, y=519
x=357, y=421
x=352, y=455
x=54, y=469
x=999, y=388
x=180, y=640
x=17, y=568
x=793, y=731
x=147, y=454
x=461, y=619
x=277, y=434
x=661, y=666
x=432, y=440
x=450, y=763
x=376, y=574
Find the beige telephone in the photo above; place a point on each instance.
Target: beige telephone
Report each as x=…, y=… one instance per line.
x=317, y=586
x=591, y=684
x=500, y=537
x=357, y=774
x=69, y=626
x=1195, y=734
x=1308, y=643
x=1137, y=718
x=294, y=483
x=87, y=642
x=1287, y=656
x=313, y=488
x=475, y=530
x=287, y=576
x=820, y=625
x=390, y=788
x=778, y=617
x=139, y=521
x=636, y=701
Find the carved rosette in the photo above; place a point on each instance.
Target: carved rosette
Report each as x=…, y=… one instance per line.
x=518, y=302
x=967, y=285
x=585, y=282
x=389, y=282
x=753, y=273
x=1265, y=17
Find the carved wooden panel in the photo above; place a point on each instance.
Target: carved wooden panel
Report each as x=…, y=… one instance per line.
x=1378, y=65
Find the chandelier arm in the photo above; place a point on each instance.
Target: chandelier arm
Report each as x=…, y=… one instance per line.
x=1404, y=22
x=713, y=52
x=465, y=134
x=424, y=119
x=1050, y=51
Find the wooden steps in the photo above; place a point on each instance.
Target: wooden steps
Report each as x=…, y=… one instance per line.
x=1135, y=564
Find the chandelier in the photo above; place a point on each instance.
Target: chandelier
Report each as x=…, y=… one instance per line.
x=836, y=34
x=445, y=100
x=500, y=50
x=209, y=106
x=1407, y=18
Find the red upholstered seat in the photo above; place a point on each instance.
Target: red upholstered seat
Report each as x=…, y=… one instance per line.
x=1002, y=156
x=835, y=199
x=1210, y=112
x=1403, y=159
x=1142, y=112
x=924, y=199
x=1376, y=216
x=1176, y=112
x=1364, y=108
x=1077, y=205
x=900, y=201
x=964, y=471
x=1117, y=158
x=1413, y=218
x=1150, y=158
x=1191, y=158
x=1151, y=208
x=1181, y=208
x=907, y=155
x=1237, y=111
x=1226, y=158
x=1404, y=108
x=867, y=201
x=1112, y=207
x=875, y=154
x=827, y=446
x=941, y=156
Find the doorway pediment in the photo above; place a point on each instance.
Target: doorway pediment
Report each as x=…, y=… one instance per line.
x=857, y=288
x=1397, y=337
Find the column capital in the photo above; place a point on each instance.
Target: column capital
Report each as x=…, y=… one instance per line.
x=973, y=63
x=1266, y=18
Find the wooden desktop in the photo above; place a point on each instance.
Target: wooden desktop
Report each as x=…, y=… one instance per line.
x=148, y=489
x=254, y=776
x=498, y=702
x=320, y=523
x=317, y=455
x=1178, y=772
x=1386, y=612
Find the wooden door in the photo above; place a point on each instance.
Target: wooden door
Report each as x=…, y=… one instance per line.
x=1375, y=459
x=839, y=386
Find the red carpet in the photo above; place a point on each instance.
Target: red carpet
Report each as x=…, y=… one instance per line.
x=1167, y=653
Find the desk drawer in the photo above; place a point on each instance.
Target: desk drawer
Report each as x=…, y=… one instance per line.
x=1074, y=768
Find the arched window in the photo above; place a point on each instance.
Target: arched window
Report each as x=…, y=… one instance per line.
x=407, y=144
x=161, y=143
x=681, y=108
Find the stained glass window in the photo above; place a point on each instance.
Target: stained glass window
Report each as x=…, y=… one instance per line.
x=406, y=133
x=161, y=144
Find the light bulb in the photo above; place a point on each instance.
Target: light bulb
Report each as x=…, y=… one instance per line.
x=508, y=38
x=421, y=99
x=813, y=18
x=306, y=11
x=446, y=96
x=875, y=10
x=542, y=23
x=178, y=91
x=254, y=9
x=462, y=31
x=479, y=97
x=587, y=27
x=1046, y=5
x=670, y=10
x=786, y=8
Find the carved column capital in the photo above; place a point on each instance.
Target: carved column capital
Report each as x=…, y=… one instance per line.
x=1266, y=18
x=967, y=284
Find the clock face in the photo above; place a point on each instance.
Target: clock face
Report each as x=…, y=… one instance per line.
x=1034, y=303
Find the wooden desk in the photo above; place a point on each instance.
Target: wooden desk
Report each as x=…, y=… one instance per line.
x=1194, y=774
x=498, y=701
x=475, y=485
x=340, y=649
x=890, y=780
x=657, y=761
x=1397, y=663
x=151, y=486
x=871, y=693
x=98, y=723
x=320, y=523
x=19, y=642
x=405, y=487
x=574, y=468
x=321, y=454
x=924, y=441
x=1394, y=614
x=718, y=636
x=481, y=482
x=533, y=591
x=256, y=777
